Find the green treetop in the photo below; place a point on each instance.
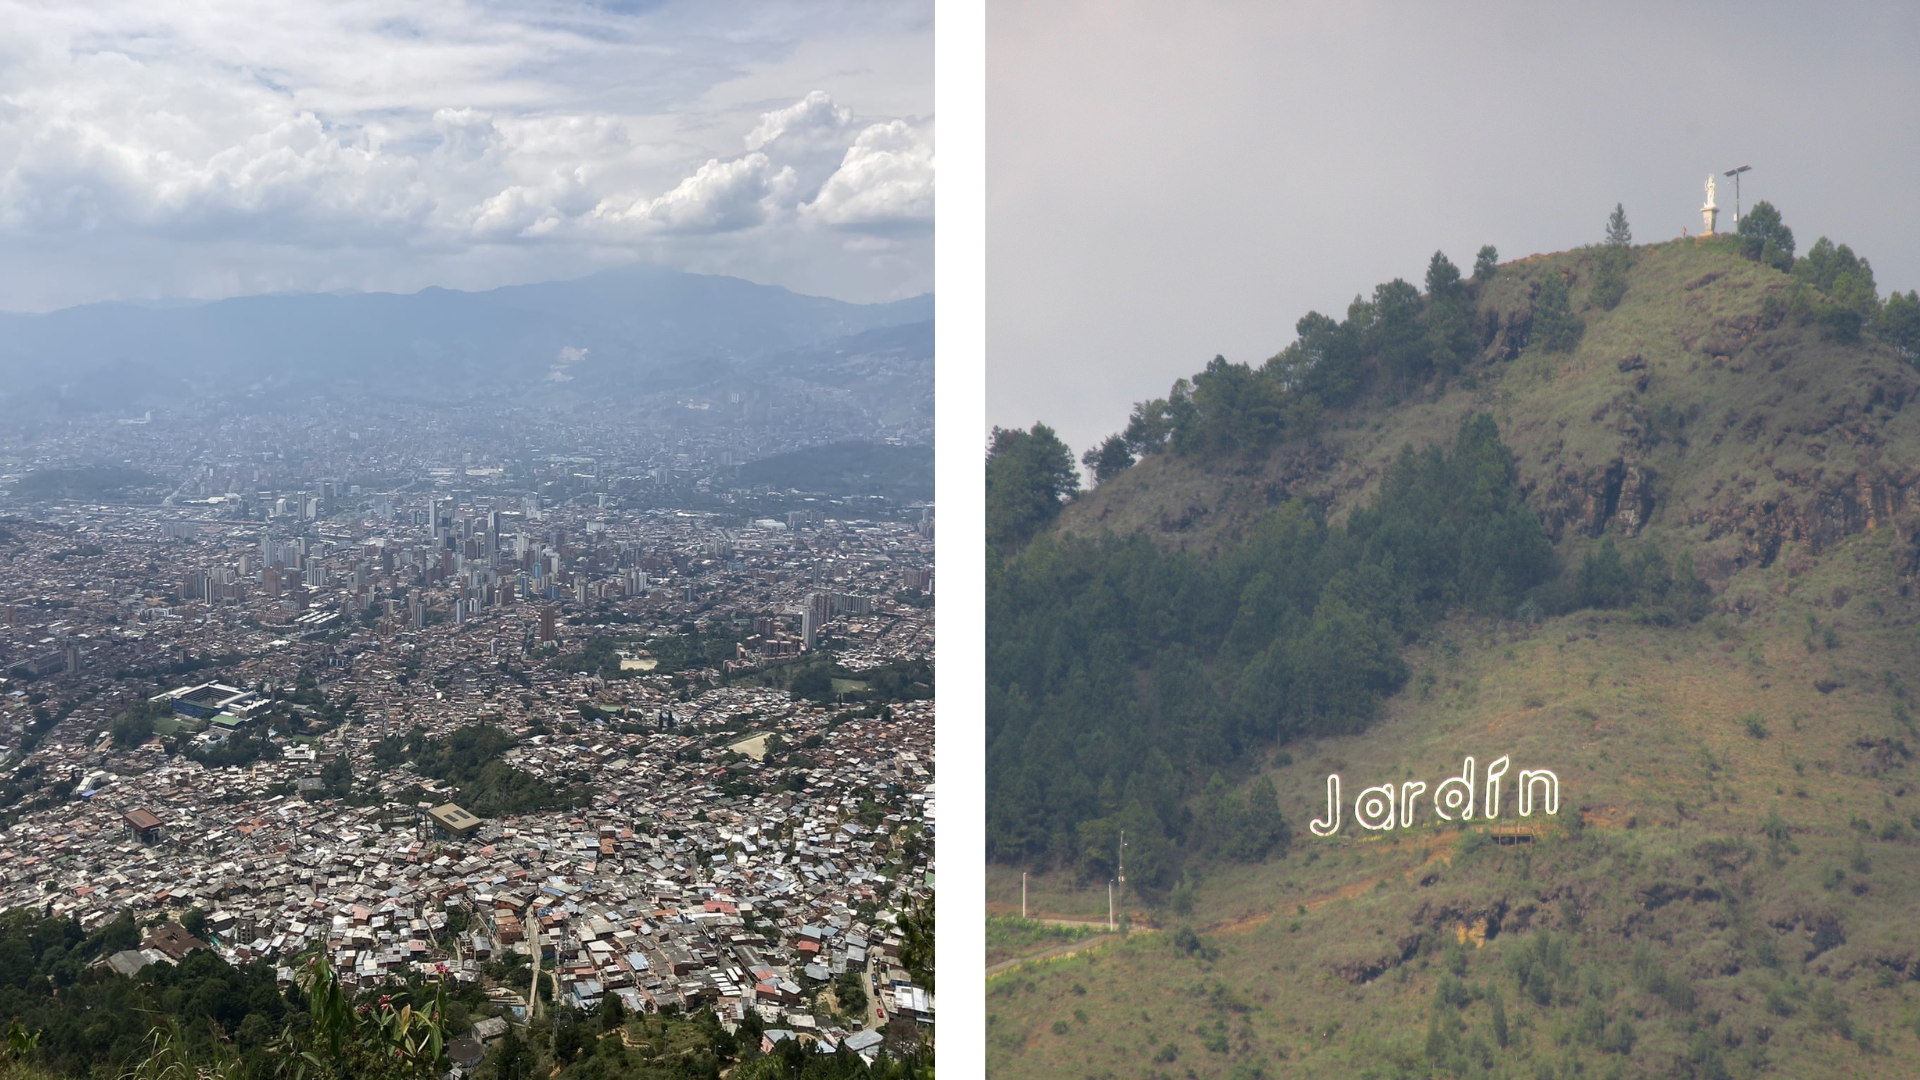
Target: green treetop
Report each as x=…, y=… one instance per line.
x=1030, y=475
x=1618, y=234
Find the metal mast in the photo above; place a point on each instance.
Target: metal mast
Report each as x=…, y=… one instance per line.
x=1735, y=173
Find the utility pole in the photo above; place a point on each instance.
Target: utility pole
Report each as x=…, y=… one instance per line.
x=1123, y=868
x=1735, y=173
x=1023, y=894
x=1109, y=903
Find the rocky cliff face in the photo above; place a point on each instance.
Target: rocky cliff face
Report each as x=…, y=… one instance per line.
x=1585, y=503
x=1818, y=512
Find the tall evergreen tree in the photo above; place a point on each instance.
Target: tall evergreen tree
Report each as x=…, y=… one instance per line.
x=1485, y=263
x=1618, y=234
x=1443, y=278
x=1395, y=336
x=1610, y=284
x=1449, y=323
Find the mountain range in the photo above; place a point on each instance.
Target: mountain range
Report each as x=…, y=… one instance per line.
x=622, y=330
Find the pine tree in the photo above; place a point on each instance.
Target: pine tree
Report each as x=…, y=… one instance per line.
x=1610, y=284
x=1618, y=234
x=1449, y=324
x=1443, y=278
x=1485, y=263
x=1109, y=459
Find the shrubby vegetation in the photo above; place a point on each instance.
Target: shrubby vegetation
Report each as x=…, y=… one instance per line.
x=1655, y=591
x=1555, y=326
x=1121, y=677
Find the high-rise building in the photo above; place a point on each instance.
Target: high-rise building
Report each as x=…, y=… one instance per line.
x=546, y=624
x=815, y=615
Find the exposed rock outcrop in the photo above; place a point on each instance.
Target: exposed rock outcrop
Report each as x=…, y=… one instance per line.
x=1586, y=502
x=1818, y=514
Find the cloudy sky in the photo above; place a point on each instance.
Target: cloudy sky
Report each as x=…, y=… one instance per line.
x=1166, y=182
x=221, y=147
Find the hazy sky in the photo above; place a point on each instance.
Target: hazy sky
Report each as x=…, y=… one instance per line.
x=1167, y=182
x=166, y=148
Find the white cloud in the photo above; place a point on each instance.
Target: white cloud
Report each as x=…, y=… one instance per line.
x=420, y=128
x=885, y=179
x=720, y=196
x=812, y=117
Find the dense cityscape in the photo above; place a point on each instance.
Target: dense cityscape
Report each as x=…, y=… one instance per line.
x=551, y=711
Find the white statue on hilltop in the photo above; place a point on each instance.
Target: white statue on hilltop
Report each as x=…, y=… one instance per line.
x=1709, y=213
x=1709, y=189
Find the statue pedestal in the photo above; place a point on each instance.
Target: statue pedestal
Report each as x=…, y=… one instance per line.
x=1708, y=214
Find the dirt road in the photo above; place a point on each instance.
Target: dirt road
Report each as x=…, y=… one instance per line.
x=1065, y=948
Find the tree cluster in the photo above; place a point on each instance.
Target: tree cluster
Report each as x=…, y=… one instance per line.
x=1832, y=287
x=469, y=758
x=1656, y=592
x=1030, y=476
x=134, y=724
x=1121, y=677
x=90, y=1020
x=1398, y=339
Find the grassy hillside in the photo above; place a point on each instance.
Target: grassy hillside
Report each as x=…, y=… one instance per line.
x=1740, y=436
x=1726, y=889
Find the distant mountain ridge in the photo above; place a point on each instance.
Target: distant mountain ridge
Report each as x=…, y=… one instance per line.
x=451, y=343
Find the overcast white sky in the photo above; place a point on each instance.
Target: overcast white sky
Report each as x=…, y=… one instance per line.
x=1170, y=181
x=221, y=147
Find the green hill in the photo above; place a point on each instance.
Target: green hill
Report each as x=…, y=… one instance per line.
x=1714, y=659
x=903, y=473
